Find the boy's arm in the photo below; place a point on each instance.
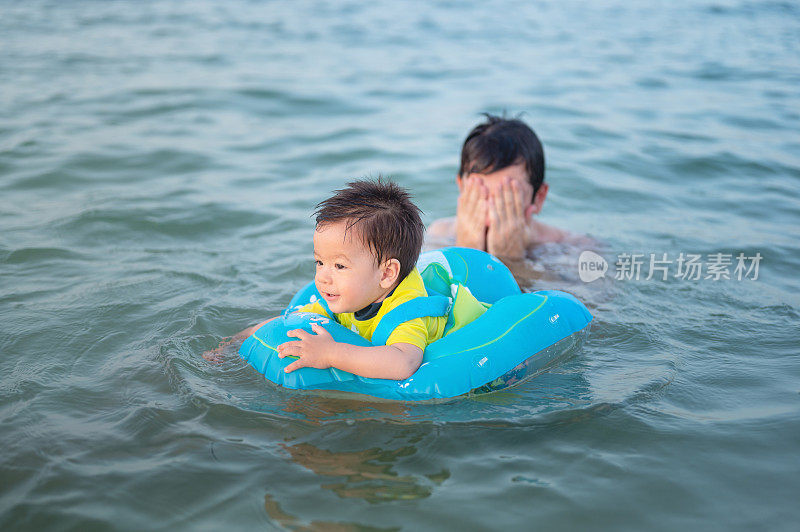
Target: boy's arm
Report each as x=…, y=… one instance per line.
x=250, y=330
x=215, y=355
x=397, y=361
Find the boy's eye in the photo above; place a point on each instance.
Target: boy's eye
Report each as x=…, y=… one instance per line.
x=339, y=266
x=318, y=262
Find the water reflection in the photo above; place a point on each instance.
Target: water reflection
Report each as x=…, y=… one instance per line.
x=327, y=406
x=292, y=522
x=366, y=474
x=373, y=462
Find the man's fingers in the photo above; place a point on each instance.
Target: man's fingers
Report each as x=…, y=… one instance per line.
x=483, y=212
x=524, y=196
x=471, y=192
x=466, y=198
x=471, y=213
x=483, y=189
x=527, y=191
x=492, y=213
x=499, y=202
x=509, y=199
x=515, y=195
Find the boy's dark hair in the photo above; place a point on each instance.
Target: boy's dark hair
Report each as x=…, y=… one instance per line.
x=500, y=142
x=387, y=221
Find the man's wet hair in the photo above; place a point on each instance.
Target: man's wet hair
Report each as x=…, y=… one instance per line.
x=383, y=215
x=500, y=142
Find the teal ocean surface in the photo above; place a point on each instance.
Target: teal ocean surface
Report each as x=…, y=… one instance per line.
x=159, y=162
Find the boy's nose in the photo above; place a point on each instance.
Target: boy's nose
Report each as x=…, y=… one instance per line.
x=322, y=276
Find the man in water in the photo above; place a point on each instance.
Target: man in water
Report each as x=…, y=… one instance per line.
x=501, y=188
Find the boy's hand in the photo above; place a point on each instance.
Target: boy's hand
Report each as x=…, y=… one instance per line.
x=312, y=349
x=472, y=214
x=217, y=355
x=509, y=220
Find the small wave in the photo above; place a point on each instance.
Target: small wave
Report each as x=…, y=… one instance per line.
x=146, y=223
x=41, y=254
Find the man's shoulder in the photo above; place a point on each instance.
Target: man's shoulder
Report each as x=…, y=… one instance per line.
x=549, y=234
x=442, y=227
x=441, y=233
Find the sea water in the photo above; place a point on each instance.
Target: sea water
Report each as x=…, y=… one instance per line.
x=158, y=165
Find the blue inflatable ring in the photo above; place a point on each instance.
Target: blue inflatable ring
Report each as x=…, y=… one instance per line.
x=512, y=340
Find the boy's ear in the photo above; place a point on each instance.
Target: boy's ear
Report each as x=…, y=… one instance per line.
x=390, y=271
x=538, y=200
x=459, y=182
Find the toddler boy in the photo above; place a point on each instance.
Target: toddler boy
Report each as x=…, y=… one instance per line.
x=366, y=244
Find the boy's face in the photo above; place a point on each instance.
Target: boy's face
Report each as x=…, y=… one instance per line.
x=347, y=277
